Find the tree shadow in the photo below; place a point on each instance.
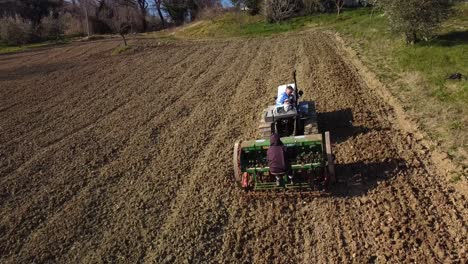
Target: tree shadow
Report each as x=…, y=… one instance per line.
x=450, y=39
x=356, y=179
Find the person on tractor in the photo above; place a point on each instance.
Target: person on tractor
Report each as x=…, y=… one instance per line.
x=287, y=97
x=277, y=159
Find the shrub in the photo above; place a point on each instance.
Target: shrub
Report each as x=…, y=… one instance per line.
x=318, y=6
x=312, y=6
x=52, y=28
x=279, y=10
x=253, y=7
x=416, y=19
x=210, y=13
x=73, y=25
x=15, y=31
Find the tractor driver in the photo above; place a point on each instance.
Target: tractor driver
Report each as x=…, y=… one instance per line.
x=277, y=159
x=287, y=97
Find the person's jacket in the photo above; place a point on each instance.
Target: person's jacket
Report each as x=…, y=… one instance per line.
x=283, y=97
x=276, y=155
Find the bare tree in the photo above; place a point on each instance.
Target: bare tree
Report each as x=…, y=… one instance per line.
x=339, y=5
x=86, y=5
x=157, y=4
x=279, y=10
x=143, y=6
x=124, y=30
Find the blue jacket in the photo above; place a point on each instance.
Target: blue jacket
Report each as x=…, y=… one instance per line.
x=280, y=100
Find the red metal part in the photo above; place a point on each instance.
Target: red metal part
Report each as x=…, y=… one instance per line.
x=245, y=180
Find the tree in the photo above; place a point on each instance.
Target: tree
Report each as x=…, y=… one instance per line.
x=157, y=4
x=35, y=10
x=176, y=9
x=416, y=19
x=8, y=8
x=124, y=30
x=86, y=5
x=143, y=6
x=103, y=24
x=339, y=5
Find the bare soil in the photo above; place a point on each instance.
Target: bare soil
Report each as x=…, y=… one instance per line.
x=127, y=158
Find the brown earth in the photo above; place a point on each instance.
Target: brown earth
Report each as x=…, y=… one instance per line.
x=127, y=159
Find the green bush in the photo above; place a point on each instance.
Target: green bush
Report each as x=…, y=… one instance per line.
x=416, y=19
x=15, y=31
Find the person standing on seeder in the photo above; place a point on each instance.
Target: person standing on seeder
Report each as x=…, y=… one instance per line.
x=277, y=159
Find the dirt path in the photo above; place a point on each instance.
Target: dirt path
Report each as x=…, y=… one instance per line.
x=128, y=159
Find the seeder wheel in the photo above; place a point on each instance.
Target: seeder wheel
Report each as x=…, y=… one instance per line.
x=330, y=158
x=236, y=162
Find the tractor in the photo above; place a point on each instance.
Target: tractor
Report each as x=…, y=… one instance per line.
x=308, y=152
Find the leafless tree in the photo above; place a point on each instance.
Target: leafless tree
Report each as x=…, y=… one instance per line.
x=339, y=6
x=157, y=5
x=124, y=30
x=143, y=6
x=86, y=6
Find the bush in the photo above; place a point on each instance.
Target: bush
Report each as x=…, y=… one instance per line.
x=312, y=6
x=72, y=25
x=52, y=28
x=279, y=10
x=416, y=19
x=210, y=13
x=254, y=6
x=318, y=6
x=15, y=31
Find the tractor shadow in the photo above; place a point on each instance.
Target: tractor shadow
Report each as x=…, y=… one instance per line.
x=356, y=179
x=340, y=125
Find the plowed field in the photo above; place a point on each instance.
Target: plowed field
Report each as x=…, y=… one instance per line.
x=127, y=159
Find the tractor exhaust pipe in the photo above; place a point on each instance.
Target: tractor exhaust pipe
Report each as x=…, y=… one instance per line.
x=296, y=97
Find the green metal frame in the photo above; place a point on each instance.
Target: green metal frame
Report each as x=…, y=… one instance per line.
x=306, y=143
